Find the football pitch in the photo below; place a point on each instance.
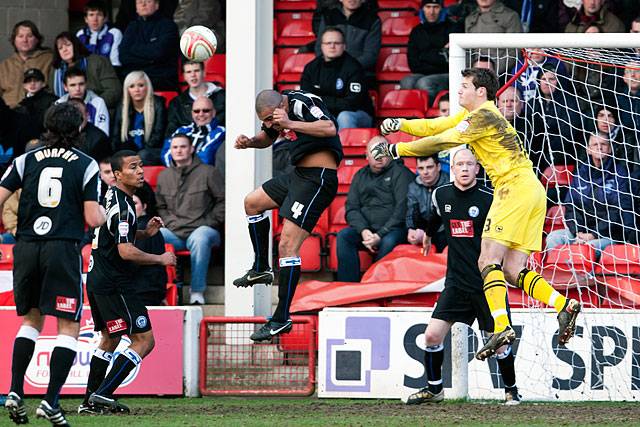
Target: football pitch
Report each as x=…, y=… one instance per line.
x=253, y=411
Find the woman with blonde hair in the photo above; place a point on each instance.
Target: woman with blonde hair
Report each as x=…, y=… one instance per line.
x=140, y=119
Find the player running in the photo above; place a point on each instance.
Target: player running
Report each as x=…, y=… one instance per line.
x=115, y=306
x=59, y=194
x=462, y=206
x=302, y=195
x=513, y=228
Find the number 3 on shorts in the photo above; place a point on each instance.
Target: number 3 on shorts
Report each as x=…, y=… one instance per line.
x=487, y=225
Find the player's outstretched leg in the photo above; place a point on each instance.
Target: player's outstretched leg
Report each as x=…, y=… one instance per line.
x=260, y=272
x=23, y=347
x=433, y=393
x=495, y=291
x=97, y=371
x=506, y=362
x=126, y=361
x=568, y=309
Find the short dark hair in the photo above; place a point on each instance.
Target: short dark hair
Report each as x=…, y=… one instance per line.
x=482, y=77
x=147, y=197
x=443, y=98
x=79, y=50
x=434, y=157
x=62, y=123
x=75, y=72
x=34, y=30
x=118, y=158
x=181, y=135
x=186, y=62
x=334, y=29
x=105, y=160
x=483, y=58
x=98, y=5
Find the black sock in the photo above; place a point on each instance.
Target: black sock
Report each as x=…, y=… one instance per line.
x=22, y=353
x=506, y=362
x=287, y=282
x=62, y=358
x=124, y=363
x=433, y=358
x=259, y=230
x=97, y=371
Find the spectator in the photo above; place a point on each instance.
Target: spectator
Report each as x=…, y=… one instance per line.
x=151, y=280
x=29, y=53
x=362, y=29
x=628, y=97
x=127, y=11
x=483, y=61
x=428, y=51
x=443, y=156
x=190, y=198
x=536, y=16
x=75, y=87
x=204, y=132
x=36, y=101
x=419, y=206
x=606, y=123
x=527, y=83
x=598, y=203
x=150, y=44
x=594, y=12
x=635, y=25
x=107, y=178
x=209, y=13
x=555, y=116
x=100, y=75
x=140, y=119
x=375, y=211
x=180, y=106
x=94, y=142
x=492, y=16
x=339, y=80
x=510, y=105
x=443, y=106
x=99, y=36
x=10, y=219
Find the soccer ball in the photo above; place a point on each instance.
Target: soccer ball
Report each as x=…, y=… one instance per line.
x=198, y=43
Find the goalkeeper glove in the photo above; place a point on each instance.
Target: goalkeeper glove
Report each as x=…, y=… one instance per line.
x=389, y=126
x=381, y=150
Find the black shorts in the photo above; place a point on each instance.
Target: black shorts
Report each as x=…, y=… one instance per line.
x=120, y=314
x=47, y=274
x=303, y=194
x=457, y=305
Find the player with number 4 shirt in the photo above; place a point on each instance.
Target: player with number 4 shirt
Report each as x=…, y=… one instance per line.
x=301, y=195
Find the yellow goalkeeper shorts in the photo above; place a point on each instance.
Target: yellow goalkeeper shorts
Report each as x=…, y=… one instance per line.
x=516, y=216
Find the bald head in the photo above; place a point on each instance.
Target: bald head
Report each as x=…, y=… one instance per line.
x=267, y=101
x=202, y=111
x=376, y=165
x=465, y=168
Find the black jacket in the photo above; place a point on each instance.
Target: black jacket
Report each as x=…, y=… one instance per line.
x=378, y=202
x=426, y=52
x=340, y=83
x=156, y=139
x=151, y=280
x=95, y=143
x=33, y=108
x=151, y=45
x=180, y=110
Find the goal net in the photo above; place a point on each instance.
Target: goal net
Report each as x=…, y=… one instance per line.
x=575, y=102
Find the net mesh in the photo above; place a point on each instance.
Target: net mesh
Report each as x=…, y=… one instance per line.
x=578, y=113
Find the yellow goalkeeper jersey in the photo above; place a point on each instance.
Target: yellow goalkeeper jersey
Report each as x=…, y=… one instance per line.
x=485, y=130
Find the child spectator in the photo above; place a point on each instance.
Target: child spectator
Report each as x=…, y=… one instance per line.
x=99, y=36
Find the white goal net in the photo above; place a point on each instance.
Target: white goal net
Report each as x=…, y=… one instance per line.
x=577, y=109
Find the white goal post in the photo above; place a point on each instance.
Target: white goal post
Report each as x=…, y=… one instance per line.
x=460, y=46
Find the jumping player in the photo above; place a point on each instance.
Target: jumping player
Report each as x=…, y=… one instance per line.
x=513, y=228
x=301, y=195
x=115, y=306
x=462, y=206
x=59, y=194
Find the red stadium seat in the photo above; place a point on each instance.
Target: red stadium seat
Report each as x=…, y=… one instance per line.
x=354, y=140
x=619, y=259
x=424, y=299
x=366, y=259
x=151, y=175
x=554, y=219
x=311, y=254
x=167, y=95
x=345, y=176
x=398, y=4
x=354, y=161
x=296, y=33
x=386, y=14
x=293, y=67
x=384, y=53
x=434, y=111
x=6, y=257
x=411, y=163
x=86, y=257
x=555, y=175
x=284, y=17
x=620, y=292
x=299, y=5
x=395, y=31
x=404, y=103
x=384, y=89
x=337, y=220
x=396, y=137
x=282, y=54
x=215, y=69
x=394, y=68
x=569, y=265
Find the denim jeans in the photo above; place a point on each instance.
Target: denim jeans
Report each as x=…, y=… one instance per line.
x=200, y=243
x=354, y=119
x=349, y=242
x=564, y=237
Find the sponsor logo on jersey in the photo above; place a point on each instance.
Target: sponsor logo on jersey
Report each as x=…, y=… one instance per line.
x=316, y=112
x=289, y=134
x=355, y=87
x=123, y=228
x=42, y=225
x=141, y=322
x=462, y=126
x=66, y=304
x=461, y=228
x=447, y=208
x=474, y=211
x=339, y=84
x=117, y=325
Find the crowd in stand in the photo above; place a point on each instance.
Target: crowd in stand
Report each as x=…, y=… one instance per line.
x=112, y=72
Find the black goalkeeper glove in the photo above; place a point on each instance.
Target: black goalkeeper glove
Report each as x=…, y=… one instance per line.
x=383, y=149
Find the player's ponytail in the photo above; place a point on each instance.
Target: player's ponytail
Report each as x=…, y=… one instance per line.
x=62, y=123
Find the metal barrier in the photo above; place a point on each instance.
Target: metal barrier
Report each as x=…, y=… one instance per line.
x=232, y=364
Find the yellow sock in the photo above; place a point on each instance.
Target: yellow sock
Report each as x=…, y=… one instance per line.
x=535, y=286
x=495, y=291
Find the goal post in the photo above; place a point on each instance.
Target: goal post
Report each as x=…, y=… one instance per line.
x=605, y=56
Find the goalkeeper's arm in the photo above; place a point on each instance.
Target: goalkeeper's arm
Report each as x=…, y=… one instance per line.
x=422, y=147
x=422, y=127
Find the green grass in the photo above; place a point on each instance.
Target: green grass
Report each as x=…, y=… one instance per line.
x=250, y=411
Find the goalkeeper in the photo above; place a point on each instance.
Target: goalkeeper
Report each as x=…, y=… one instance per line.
x=513, y=228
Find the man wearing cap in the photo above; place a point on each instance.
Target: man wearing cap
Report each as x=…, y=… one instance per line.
x=428, y=51
x=37, y=99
